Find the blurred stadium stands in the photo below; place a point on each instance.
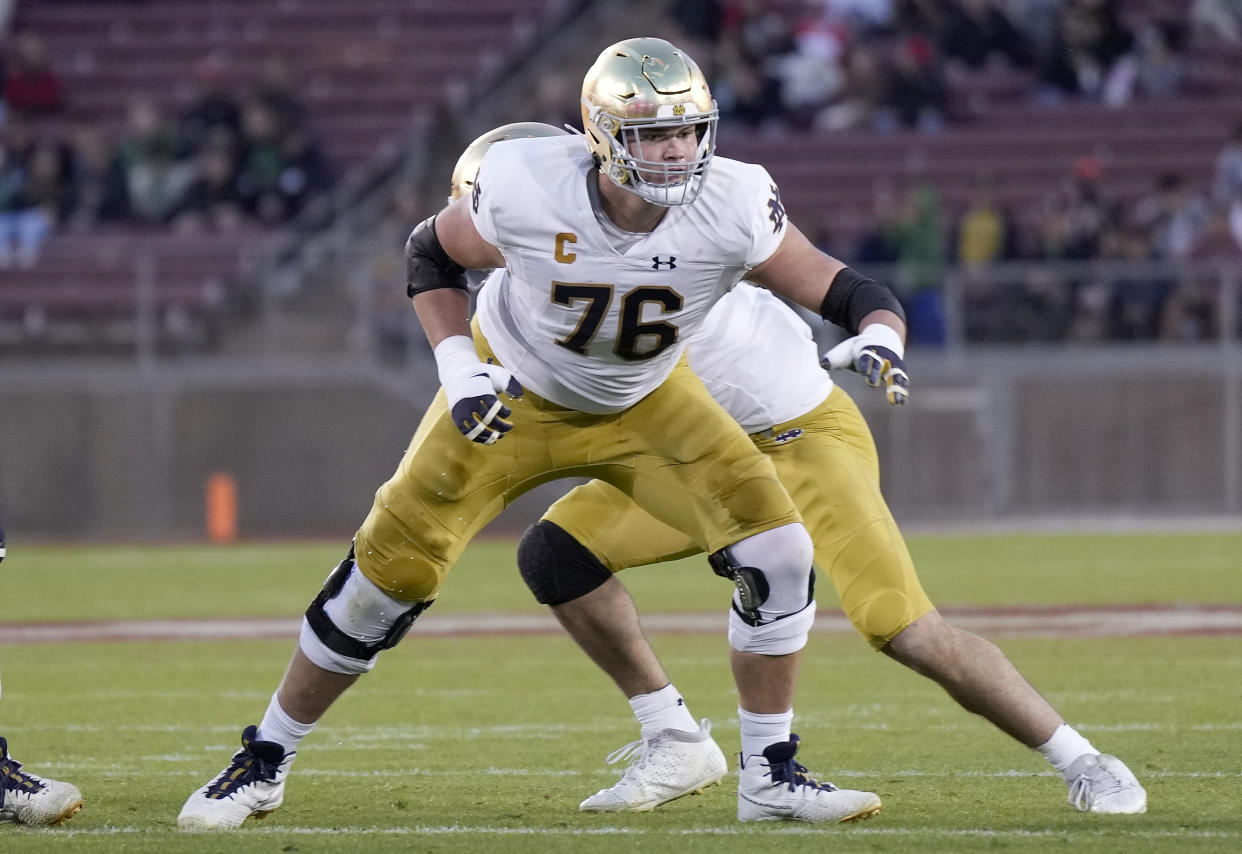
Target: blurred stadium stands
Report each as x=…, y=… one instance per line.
x=136, y=360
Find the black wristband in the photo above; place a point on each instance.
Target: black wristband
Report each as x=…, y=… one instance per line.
x=427, y=266
x=852, y=296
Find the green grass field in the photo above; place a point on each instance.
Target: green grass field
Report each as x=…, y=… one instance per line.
x=460, y=744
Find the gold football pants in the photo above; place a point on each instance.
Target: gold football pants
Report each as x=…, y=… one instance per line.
x=676, y=454
x=828, y=462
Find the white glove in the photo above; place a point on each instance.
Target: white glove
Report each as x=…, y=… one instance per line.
x=876, y=353
x=472, y=388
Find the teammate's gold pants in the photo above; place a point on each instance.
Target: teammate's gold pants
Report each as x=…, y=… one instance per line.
x=827, y=460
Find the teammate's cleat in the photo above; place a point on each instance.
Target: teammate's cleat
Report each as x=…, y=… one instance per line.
x=773, y=787
x=252, y=785
x=1102, y=783
x=663, y=768
x=29, y=799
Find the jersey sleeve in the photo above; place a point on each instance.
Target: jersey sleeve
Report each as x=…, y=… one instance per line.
x=768, y=219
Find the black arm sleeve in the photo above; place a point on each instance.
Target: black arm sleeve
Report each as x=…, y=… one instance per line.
x=427, y=266
x=852, y=296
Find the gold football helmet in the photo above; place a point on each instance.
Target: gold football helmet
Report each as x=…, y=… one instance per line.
x=468, y=164
x=636, y=85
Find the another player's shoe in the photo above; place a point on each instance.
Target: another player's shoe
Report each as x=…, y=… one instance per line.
x=663, y=768
x=773, y=787
x=1102, y=783
x=29, y=799
x=252, y=785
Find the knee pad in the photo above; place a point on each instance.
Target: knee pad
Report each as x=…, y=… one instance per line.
x=778, y=637
x=351, y=621
x=772, y=573
x=555, y=566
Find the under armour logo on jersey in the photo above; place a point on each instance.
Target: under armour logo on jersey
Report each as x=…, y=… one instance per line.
x=657, y=262
x=474, y=195
x=776, y=211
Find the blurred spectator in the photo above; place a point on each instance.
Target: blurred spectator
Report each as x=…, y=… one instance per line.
x=1174, y=216
x=1085, y=209
x=262, y=162
x=1090, y=52
x=879, y=242
x=306, y=171
x=810, y=74
x=920, y=264
x=978, y=32
x=745, y=96
x=861, y=94
x=49, y=183
x=754, y=35
x=1227, y=182
x=156, y=182
x=30, y=86
x=212, y=201
x=277, y=89
x=99, y=179
x=1138, y=297
x=984, y=232
x=213, y=112
x=145, y=129
x=916, y=94
x=23, y=223
x=1160, y=66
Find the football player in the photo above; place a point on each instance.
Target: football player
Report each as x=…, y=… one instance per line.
x=758, y=360
x=27, y=798
x=610, y=248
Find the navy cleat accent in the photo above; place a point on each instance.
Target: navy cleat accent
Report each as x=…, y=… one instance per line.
x=253, y=784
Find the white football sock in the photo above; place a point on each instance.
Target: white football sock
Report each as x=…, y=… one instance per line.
x=277, y=726
x=663, y=709
x=758, y=731
x=1066, y=745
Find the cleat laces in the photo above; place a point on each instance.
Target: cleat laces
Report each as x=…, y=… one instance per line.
x=1095, y=781
x=638, y=752
x=256, y=762
x=793, y=774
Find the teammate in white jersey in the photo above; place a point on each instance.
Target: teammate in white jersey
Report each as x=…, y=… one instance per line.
x=614, y=246
x=824, y=454
x=27, y=798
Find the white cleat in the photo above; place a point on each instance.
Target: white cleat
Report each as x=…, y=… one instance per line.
x=30, y=799
x=773, y=787
x=1102, y=783
x=673, y=764
x=252, y=785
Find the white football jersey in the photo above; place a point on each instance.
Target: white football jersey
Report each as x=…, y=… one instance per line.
x=757, y=358
x=591, y=322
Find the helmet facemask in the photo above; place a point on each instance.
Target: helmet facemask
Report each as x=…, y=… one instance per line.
x=660, y=182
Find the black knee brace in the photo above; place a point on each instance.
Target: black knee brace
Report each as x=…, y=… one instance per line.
x=556, y=567
x=339, y=642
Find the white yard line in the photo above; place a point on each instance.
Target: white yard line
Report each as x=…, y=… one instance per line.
x=1111, y=832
